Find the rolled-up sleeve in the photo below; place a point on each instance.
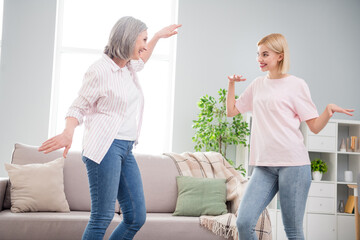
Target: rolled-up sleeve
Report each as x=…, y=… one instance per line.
x=137, y=65
x=88, y=95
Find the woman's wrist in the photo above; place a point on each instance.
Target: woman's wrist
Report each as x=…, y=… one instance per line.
x=69, y=131
x=329, y=109
x=156, y=36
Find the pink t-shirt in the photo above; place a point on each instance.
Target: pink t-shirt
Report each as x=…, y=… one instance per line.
x=278, y=107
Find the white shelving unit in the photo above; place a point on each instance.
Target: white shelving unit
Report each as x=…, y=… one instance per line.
x=322, y=219
x=325, y=196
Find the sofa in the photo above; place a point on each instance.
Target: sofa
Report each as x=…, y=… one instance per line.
x=159, y=179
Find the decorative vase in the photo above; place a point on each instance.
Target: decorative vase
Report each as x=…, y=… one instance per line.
x=316, y=175
x=343, y=146
x=341, y=208
x=348, y=176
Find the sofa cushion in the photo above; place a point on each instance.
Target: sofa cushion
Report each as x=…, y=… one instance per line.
x=76, y=184
x=47, y=225
x=161, y=226
x=158, y=173
x=37, y=187
x=70, y=226
x=200, y=196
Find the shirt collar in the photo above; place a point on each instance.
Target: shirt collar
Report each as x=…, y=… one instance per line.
x=113, y=65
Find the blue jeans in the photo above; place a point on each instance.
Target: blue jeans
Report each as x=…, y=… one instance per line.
x=293, y=185
x=117, y=176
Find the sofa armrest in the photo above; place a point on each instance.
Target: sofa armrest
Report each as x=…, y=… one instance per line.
x=3, y=185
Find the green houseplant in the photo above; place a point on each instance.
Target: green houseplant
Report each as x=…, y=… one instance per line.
x=214, y=131
x=318, y=167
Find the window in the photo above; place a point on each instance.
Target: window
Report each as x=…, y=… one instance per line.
x=82, y=31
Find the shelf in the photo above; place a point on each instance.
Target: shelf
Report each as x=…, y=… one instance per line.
x=345, y=122
x=322, y=213
x=346, y=183
x=321, y=151
x=323, y=181
x=319, y=146
x=349, y=153
x=345, y=214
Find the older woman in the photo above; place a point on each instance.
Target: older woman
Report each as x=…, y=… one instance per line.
x=112, y=101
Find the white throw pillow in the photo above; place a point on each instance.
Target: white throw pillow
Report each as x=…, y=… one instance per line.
x=37, y=187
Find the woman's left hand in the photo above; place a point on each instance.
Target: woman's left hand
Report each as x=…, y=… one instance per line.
x=168, y=31
x=332, y=108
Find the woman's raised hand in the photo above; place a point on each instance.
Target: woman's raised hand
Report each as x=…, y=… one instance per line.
x=236, y=78
x=59, y=141
x=168, y=31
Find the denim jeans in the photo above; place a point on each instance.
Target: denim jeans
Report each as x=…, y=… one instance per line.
x=117, y=176
x=293, y=185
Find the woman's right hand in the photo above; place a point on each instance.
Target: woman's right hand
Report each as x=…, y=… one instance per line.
x=59, y=141
x=236, y=78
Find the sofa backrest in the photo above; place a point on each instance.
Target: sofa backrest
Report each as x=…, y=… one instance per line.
x=158, y=173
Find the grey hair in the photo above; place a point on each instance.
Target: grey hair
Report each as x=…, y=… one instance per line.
x=123, y=37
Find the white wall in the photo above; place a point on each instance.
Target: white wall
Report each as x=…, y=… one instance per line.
x=26, y=73
x=219, y=37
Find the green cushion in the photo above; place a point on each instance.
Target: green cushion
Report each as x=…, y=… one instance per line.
x=200, y=196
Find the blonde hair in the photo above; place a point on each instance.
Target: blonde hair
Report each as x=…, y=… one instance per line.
x=277, y=43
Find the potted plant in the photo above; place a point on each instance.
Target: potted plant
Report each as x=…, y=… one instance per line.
x=213, y=129
x=318, y=167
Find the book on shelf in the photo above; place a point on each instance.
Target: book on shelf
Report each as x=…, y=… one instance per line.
x=350, y=204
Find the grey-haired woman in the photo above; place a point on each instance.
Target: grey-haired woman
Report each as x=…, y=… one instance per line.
x=112, y=101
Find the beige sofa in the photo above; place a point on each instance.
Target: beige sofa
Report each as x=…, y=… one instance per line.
x=159, y=178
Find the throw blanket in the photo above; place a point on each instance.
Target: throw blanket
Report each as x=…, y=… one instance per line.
x=213, y=165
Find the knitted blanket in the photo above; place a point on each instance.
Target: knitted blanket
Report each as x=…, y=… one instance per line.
x=213, y=165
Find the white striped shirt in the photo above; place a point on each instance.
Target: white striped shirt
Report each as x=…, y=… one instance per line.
x=102, y=99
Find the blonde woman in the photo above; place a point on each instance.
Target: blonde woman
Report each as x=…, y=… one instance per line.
x=111, y=101
x=279, y=103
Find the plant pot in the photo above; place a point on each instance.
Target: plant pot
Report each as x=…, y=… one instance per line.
x=316, y=175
